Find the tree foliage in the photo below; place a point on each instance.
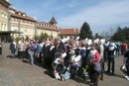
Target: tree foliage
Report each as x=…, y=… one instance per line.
x=107, y=34
x=42, y=36
x=85, y=31
x=121, y=34
x=97, y=36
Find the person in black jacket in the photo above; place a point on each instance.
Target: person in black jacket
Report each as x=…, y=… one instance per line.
x=125, y=66
x=46, y=54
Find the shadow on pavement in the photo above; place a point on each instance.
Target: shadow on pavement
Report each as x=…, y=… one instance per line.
x=80, y=80
x=119, y=76
x=9, y=56
x=49, y=73
x=25, y=61
x=115, y=75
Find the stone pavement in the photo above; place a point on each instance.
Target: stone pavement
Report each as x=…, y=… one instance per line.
x=15, y=72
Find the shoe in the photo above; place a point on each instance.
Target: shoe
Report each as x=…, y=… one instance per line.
x=62, y=78
x=127, y=77
x=107, y=72
x=112, y=74
x=101, y=78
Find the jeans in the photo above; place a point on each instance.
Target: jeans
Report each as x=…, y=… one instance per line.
x=13, y=53
x=111, y=63
x=31, y=56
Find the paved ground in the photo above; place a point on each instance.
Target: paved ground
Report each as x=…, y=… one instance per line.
x=15, y=72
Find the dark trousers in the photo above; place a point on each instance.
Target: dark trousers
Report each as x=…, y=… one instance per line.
x=26, y=54
x=94, y=75
x=105, y=56
x=118, y=52
x=102, y=67
x=0, y=50
x=21, y=55
x=127, y=67
x=111, y=64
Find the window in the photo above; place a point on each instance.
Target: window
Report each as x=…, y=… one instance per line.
x=2, y=26
x=5, y=16
x=5, y=26
x=12, y=19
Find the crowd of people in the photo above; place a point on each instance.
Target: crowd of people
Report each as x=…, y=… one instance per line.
x=68, y=58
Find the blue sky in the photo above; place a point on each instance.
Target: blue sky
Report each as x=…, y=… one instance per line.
x=100, y=14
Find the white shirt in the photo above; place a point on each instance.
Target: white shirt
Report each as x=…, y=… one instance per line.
x=76, y=60
x=101, y=50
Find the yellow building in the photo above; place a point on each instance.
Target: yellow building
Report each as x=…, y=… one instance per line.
x=4, y=5
x=25, y=25
x=21, y=23
x=4, y=15
x=49, y=28
x=14, y=23
x=28, y=26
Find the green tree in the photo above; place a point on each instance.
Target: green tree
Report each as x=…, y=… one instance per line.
x=43, y=36
x=85, y=31
x=97, y=36
x=121, y=34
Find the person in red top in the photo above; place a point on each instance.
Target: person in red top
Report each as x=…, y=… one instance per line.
x=124, y=47
x=94, y=66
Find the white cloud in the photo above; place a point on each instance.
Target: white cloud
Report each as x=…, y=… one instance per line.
x=106, y=14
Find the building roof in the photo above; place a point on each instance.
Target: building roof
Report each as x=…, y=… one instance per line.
x=10, y=32
x=53, y=20
x=23, y=17
x=69, y=31
x=6, y=3
x=41, y=25
x=19, y=14
x=44, y=25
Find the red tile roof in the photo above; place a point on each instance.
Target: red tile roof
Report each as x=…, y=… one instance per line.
x=69, y=31
x=23, y=17
x=6, y=3
x=19, y=14
x=47, y=26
